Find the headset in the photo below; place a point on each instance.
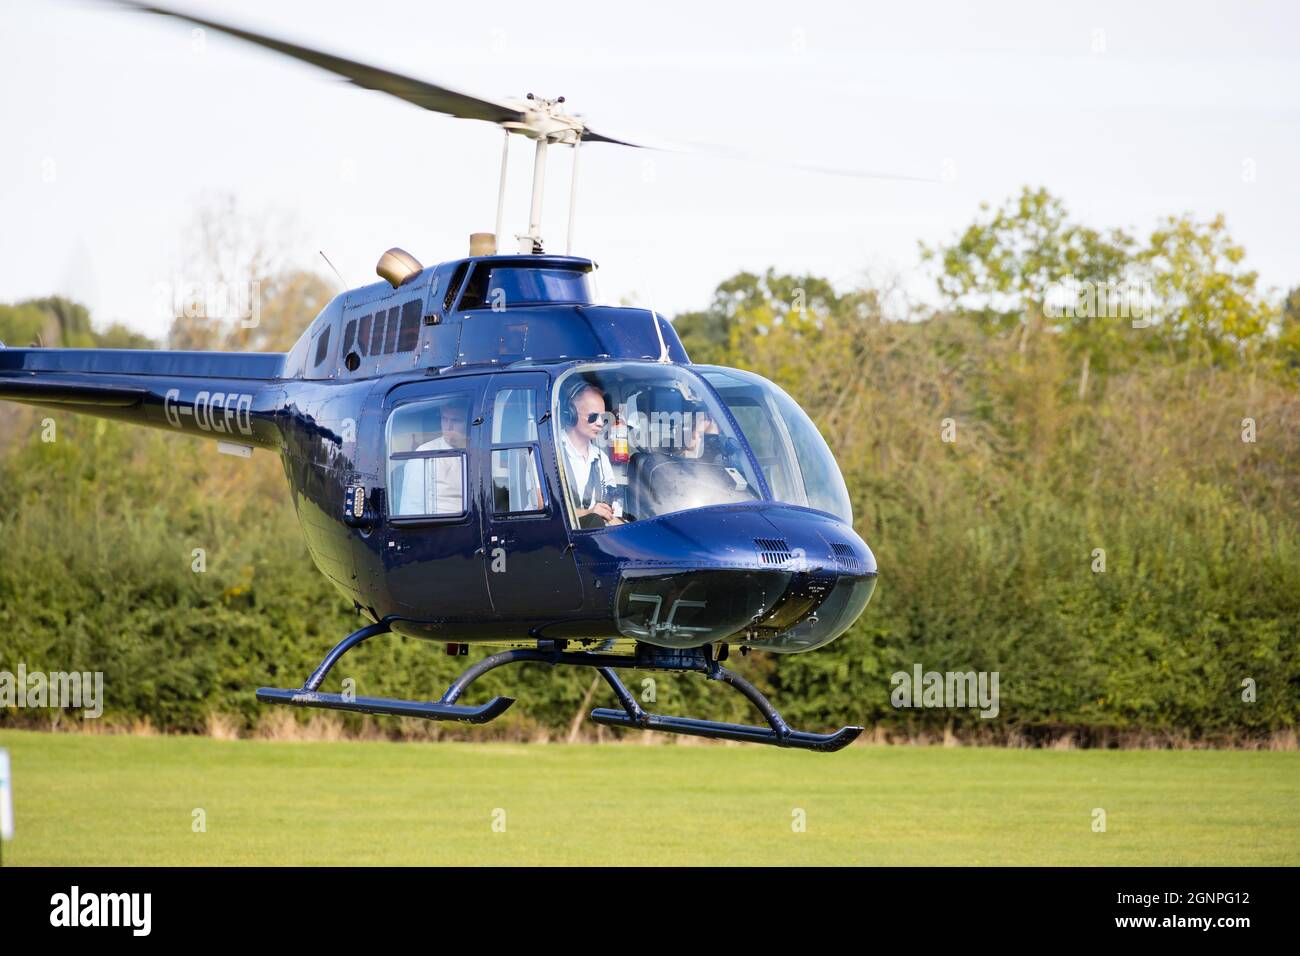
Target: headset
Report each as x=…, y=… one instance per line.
x=568, y=409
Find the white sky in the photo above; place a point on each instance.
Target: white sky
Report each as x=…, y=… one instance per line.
x=114, y=126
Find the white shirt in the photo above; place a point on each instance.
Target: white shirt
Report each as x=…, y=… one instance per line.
x=433, y=486
x=579, y=466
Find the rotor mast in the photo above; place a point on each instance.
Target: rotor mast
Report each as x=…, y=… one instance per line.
x=533, y=241
x=545, y=122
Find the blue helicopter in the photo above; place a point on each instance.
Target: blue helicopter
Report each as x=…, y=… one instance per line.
x=479, y=453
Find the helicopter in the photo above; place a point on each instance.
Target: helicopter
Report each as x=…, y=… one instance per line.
x=479, y=453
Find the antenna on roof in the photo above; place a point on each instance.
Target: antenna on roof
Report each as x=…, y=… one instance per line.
x=336, y=271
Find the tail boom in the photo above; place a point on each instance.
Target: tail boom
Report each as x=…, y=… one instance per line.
x=225, y=396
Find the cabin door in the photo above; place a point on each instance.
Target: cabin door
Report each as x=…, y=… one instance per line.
x=430, y=550
x=530, y=570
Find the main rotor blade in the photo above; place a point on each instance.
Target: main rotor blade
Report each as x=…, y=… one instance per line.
x=723, y=152
x=429, y=96
x=441, y=99
x=714, y=151
x=591, y=136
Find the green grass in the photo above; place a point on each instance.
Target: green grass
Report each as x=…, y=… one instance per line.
x=129, y=800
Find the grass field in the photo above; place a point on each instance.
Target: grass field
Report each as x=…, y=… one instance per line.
x=131, y=800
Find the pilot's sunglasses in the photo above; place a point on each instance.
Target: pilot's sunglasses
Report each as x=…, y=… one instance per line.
x=593, y=417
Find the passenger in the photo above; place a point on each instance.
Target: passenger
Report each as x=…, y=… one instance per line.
x=702, y=423
x=444, y=491
x=588, y=469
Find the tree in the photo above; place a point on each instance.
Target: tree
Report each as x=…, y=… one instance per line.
x=1028, y=265
x=1207, y=307
x=1288, y=336
x=238, y=290
x=22, y=324
x=1005, y=268
x=56, y=322
x=289, y=301
x=749, y=305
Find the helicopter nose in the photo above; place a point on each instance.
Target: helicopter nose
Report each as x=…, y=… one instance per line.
x=778, y=578
x=834, y=576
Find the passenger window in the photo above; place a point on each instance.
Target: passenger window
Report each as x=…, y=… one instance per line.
x=390, y=338
x=377, y=334
x=349, y=336
x=409, y=337
x=363, y=335
x=322, y=348
x=426, y=459
x=516, y=482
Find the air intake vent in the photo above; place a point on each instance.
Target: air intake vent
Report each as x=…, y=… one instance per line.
x=772, y=550
x=846, y=558
x=398, y=266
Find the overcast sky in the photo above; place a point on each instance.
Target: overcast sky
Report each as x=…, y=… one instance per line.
x=115, y=125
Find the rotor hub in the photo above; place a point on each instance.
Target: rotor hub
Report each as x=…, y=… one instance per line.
x=546, y=119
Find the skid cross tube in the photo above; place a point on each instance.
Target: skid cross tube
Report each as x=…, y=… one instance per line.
x=778, y=733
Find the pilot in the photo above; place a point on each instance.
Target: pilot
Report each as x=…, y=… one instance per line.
x=443, y=493
x=590, y=474
x=702, y=423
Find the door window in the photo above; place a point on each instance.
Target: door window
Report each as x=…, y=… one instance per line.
x=516, y=483
x=426, y=458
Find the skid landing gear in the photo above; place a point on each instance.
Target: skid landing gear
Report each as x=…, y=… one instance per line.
x=777, y=733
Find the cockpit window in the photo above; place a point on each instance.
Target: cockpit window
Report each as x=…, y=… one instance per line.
x=639, y=440
x=503, y=287
x=795, y=459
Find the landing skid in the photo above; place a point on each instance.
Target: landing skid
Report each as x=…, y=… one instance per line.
x=631, y=715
